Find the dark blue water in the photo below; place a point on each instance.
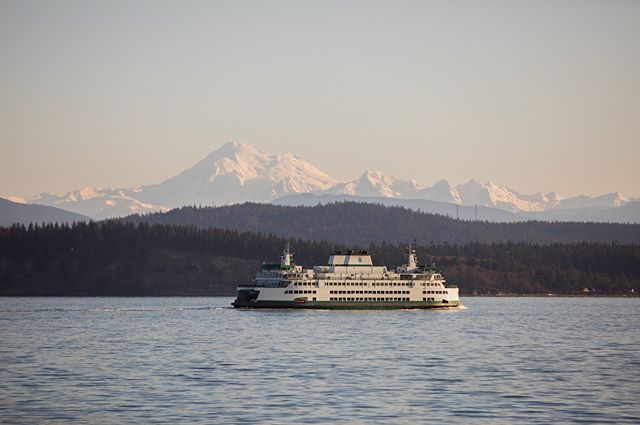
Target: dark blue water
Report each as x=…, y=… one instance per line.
x=508, y=360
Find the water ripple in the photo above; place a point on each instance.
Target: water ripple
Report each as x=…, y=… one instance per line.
x=159, y=360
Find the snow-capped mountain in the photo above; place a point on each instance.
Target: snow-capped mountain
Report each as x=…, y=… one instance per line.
x=471, y=193
x=441, y=191
x=608, y=200
x=235, y=172
x=493, y=195
x=375, y=183
x=239, y=172
x=95, y=202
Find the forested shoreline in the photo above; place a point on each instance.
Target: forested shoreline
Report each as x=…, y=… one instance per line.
x=364, y=223
x=116, y=258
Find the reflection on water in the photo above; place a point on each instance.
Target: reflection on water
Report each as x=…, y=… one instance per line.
x=195, y=359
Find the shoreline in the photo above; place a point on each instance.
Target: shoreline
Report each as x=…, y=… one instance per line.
x=233, y=296
x=550, y=295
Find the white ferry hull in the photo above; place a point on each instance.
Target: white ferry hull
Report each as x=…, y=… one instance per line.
x=349, y=305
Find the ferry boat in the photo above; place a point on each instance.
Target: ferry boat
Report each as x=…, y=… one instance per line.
x=349, y=280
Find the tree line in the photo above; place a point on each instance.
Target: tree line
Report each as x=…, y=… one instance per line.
x=117, y=257
x=364, y=223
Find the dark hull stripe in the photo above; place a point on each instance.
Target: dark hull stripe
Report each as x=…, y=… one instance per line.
x=347, y=305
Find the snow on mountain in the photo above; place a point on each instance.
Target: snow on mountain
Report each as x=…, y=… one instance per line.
x=471, y=193
x=97, y=203
x=609, y=200
x=493, y=195
x=235, y=172
x=441, y=191
x=375, y=183
x=238, y=172
x=83, y=194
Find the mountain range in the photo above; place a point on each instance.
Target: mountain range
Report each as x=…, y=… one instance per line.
x=237, y=173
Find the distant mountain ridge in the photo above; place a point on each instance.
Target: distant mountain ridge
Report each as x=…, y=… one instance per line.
x=15, y=213
x=237, y=173
x=364, y=223
x=627, y=213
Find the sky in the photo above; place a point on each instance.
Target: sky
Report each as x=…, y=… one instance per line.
x=535, y=95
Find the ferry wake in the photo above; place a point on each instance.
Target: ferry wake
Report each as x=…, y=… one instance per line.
x=349, y=280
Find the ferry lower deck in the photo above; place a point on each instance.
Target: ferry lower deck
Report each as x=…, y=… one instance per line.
x=349, y=305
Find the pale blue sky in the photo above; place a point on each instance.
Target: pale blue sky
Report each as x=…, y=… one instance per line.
x=535, y=95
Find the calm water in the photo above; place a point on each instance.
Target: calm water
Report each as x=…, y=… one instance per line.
x=116, y=360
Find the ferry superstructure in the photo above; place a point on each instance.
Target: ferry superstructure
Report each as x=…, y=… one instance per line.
x=349, y=280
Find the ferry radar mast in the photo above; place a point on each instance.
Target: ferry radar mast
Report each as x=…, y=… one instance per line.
x=412, y=261
x=287, y=256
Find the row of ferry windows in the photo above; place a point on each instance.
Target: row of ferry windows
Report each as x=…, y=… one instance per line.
x=434, y=292
x=366, y=284
x=300, y=291
x=369, y=292
x=368, y=299
x=361, y=284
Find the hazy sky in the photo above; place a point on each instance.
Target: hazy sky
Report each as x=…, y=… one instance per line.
x=535, y=95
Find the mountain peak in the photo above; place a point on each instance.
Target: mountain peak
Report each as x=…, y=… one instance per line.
x=472, y=182
x=233, y=150
x=442, y=183
x=373, y=175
